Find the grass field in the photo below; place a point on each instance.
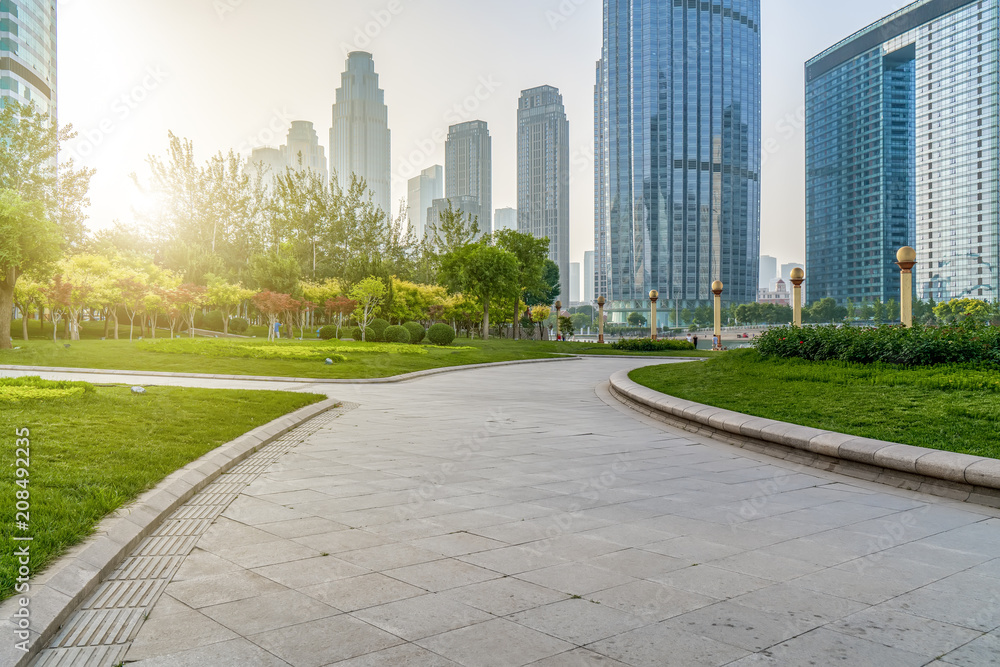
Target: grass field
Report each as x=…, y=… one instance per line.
x=91, y=352
x=94, y=449
x=950, y=408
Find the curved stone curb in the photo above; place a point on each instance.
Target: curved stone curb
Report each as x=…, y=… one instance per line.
x=67, y=582
x=948, y=474
x=267, y=378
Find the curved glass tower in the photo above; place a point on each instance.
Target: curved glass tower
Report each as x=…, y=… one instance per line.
x=28, y=52
x=677, y=143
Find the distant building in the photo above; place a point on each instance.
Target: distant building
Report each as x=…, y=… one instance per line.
x=505, y=218
x=28, y=53
x=902, y=129
x=779, y=296
x=768, y=270
x=468, y=170
x=302, y=150
x=574, y=282
x=543, y=176
x=589, y=277
x=463, y=205
x=360, y=140
x=269, y=162
x=422, y=192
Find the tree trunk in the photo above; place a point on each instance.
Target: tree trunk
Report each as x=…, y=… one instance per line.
x=486, y=319
x=6, y=310
x=24, y=324
x=225, y=325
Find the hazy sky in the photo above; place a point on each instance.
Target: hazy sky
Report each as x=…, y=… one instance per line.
x=235, y=73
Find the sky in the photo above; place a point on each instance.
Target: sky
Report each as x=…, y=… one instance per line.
x=234, y=74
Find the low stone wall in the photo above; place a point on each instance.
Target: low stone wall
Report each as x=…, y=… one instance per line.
x=959, y=476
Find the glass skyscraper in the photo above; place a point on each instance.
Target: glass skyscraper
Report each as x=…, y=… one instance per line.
x=28, y=52
x=901, y=149
x=468, y=171
x=677, y=168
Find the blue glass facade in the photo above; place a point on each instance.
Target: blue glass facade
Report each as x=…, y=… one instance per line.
x=901, y=149
x=677, y=111
x=28, y=52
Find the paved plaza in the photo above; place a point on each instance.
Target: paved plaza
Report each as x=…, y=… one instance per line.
x=521, y=516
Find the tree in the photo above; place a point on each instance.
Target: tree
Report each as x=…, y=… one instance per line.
x=57, y=298
x=275, y=272
x=320, y=293
x=271, y=305
x=133, y=290
x=369, y=294
x=29, y=242
x=546, y=292
x=530, y=254
x=538, y=315
x=482, y=271
x=340, y=307
x=227, y=297
x=636, y=319
x=27, y=293
x=187, y=299
x=824, y=310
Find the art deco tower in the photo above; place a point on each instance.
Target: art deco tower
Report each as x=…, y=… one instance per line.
x=360, y=138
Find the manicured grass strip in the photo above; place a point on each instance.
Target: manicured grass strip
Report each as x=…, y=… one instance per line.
x=951, y=408
x=95, y=451
x=380, y=362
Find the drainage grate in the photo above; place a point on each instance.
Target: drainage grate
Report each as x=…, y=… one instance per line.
x=101, y=630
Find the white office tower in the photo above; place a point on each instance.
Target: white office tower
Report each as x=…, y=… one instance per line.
x=302, y=151
x=422, y=191
x=505, y=218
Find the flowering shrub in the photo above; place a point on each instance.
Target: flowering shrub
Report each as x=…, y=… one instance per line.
x=968, y=343
x=650, y=345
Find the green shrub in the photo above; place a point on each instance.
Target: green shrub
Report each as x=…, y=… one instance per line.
x=378, y=325
x=211, y=321
x=650, y=345
x=968, y=343
x=440, y=334
x=417, y=332
x=396, y=334
x=329, y=332
x=238, y=325
x=356, y=333
x=370, y=335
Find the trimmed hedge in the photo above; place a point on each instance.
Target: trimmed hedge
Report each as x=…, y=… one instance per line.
x=396, y=334
x=440, y=334
x=378, y=325
x=238, y=325
x=370, y=336
x=967, y=343
x=417, y=332
x=650, y=345
x=329, y=332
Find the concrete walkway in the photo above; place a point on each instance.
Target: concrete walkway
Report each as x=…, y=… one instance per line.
x=519, y=515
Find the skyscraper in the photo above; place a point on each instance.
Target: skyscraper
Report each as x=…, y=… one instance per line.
x=468, y=169
x=588, y=277
x=768, y=270
x=543, y=174
x=677, y=110
x=28, y=53
x=505, y=218
x=902, y=124
x=423, y=190
x=302, y=150
x=574, y=282
x=360, y=138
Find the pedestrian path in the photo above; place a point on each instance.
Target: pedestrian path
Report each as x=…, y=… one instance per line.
x=520, y=516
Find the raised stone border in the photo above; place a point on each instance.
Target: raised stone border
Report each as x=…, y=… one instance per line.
x=266, y=378
x=67, y=582
x=962, y=477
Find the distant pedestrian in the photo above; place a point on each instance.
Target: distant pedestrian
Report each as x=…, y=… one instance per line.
x=689, y=338
x=696, y=342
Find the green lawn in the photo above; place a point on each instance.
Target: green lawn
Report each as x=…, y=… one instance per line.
x=125, y=355
x=96, y=451
x=950, y=408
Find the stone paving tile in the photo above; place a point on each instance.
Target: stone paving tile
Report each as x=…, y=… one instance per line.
x=658, y=645
x=423, y=616
x=897, y=629
x=496, y=643
x=177, y=632
x=324, y=641
x=260, y=614
x=579, y=621
x=750, y=629
x=369, y=590
x=269, y=553
x=232, y=653
x=826, y=647
x=712, y=581
x=442, y=574
x=301, y=527
x=342, y=540
x=457, y=544
x=406, y=655
x=651, y=601
x=981, y=651
x=389, y=556
x=576, y=578
x=502, y=597
x=949, y=606
x=798, y=603
x=578, y=658
x=222, y=588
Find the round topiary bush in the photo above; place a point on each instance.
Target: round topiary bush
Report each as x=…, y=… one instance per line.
x=370, y=335
x=441, y=334
x=329, y=332
x=379, y=326
x=211, y=320
x=396, y=334
x=356, y=333
x=417, y=332
x=238, y=325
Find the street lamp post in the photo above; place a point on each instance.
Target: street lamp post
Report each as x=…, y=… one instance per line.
x=798, y=277
x=600, y=319
x=653, y=297
x=717, y=291
x=906, y=259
